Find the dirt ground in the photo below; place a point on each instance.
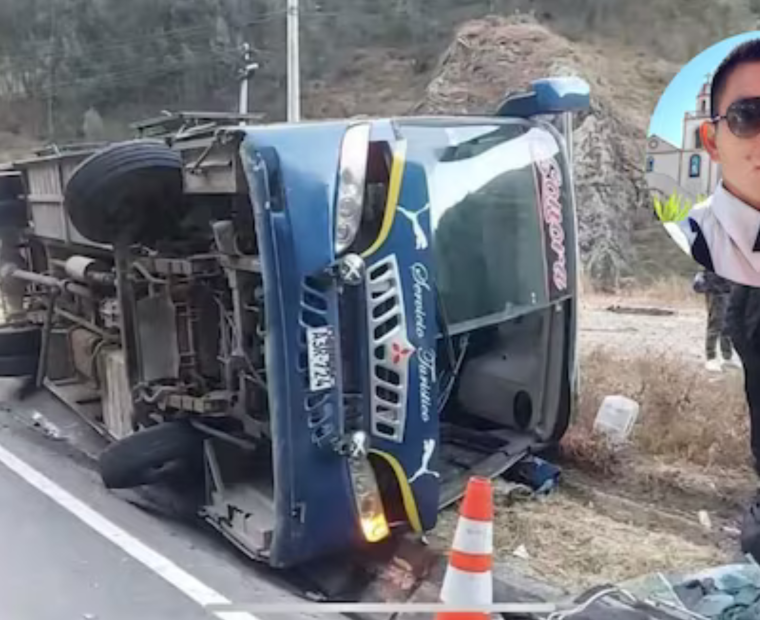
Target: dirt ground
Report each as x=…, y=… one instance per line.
x=673, y=498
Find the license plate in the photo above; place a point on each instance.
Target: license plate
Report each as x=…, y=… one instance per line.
x=320, y=342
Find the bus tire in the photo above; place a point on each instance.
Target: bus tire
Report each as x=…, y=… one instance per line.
x=12, y=204
x=19, y=340
x=18, y=365
x=19, y=350
x=128, y=192
x=149, y=455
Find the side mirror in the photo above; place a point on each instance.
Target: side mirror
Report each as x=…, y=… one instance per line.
x=548, y=96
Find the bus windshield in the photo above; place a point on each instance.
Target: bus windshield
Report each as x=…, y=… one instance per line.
x=488, y=234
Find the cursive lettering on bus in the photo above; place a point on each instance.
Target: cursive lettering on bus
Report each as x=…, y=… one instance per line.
x=420, y=284
x=551, y=207
x=425, y=357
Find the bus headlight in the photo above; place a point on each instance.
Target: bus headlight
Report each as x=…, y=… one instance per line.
x=369, y=504
x=351, y=179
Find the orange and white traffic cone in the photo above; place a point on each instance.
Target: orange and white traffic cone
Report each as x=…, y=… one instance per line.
x=469, y=578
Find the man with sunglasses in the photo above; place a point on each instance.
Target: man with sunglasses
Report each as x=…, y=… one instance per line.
x=723, y=232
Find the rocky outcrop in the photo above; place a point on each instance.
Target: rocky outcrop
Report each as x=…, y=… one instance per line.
x=494, y=56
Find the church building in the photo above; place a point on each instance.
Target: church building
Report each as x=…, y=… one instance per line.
x=686, y=169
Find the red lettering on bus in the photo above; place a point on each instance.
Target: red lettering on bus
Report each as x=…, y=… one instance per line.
x=551, y=207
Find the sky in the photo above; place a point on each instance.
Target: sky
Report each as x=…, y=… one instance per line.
x=681, y=94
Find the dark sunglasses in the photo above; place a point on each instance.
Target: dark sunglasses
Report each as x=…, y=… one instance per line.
x=742, y=117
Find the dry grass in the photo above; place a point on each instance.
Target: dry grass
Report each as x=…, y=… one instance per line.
x=686, y=414
x=574, y=547
x=590, y=452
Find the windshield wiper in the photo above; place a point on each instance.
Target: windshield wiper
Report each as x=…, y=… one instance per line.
x=454, y=360
x=443, y=321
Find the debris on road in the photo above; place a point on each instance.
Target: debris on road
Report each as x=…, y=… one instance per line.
x=512, y=491
x=616, y=418
x=46, y=426
x=640, y=310
x=521, y=552
x=727, y=592
x=537, y=474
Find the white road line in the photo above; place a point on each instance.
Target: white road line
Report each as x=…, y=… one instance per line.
x=162, y=566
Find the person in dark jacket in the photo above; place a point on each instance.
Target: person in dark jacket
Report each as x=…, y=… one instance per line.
x=743, y=325
x=716, y=291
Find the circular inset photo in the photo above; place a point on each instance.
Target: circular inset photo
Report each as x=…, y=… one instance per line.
x=703, y=159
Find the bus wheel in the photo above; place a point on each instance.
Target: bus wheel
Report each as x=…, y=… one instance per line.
x=128, y=192
x=19, y=350
x=151, y=455
x=12, y=205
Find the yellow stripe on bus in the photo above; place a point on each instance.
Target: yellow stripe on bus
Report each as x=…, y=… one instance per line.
x=394, y=191
x=410, y=505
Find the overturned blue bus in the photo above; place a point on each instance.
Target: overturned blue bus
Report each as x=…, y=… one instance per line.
x=321, y=329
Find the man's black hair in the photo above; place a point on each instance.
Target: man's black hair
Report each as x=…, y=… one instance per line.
x=749, y=51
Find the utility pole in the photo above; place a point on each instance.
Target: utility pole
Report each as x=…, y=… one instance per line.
x=294, y=69
x=249, y=68
x=52, y=72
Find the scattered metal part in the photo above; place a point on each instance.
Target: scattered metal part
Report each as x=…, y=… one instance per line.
x=594, y=596
x=522, y=553
x=46, y=426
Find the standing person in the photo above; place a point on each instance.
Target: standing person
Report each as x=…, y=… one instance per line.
x=743, y=324
x=723, y=232
x=716, y=291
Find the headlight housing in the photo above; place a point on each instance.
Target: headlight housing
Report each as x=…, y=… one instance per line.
x=351, y=181
x=369, y=503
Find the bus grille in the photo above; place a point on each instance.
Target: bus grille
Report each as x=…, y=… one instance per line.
x=390, y=350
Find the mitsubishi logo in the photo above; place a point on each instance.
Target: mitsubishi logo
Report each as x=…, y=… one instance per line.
x=399, y=352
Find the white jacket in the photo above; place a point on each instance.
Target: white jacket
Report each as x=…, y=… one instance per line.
x=723, y=235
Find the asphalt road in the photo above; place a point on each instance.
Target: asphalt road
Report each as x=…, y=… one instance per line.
x=70, y=549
